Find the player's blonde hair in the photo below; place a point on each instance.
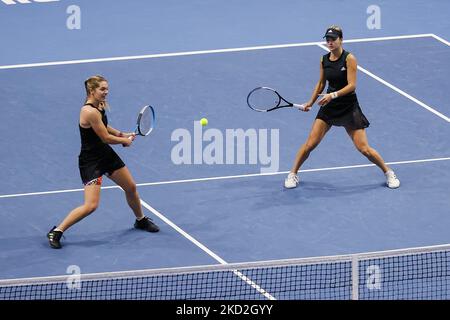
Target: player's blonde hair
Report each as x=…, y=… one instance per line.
x=93, y=83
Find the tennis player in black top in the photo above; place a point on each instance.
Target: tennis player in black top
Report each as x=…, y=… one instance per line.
x=97, y=158
x=338, y=107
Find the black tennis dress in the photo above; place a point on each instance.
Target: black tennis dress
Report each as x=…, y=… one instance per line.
x=342, y=111
x=96, y=157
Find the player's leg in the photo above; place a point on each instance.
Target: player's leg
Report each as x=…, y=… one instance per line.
x=91, y=201
x=124, y=179
x=359, y=139
x=361, y=143
x=318, y=131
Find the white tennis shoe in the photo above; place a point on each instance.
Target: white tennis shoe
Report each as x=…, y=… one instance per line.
x=291, y=181
x=392, y=180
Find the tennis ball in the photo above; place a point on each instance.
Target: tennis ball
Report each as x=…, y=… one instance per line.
x=204, y=121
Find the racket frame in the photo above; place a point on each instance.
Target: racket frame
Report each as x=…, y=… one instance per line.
x=277, y=106
x=138, y=121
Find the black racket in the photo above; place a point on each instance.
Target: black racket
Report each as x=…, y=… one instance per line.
x=146, y=121
x=265, y=99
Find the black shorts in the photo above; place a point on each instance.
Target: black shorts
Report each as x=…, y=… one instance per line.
x=94, y=166
x=345, y=112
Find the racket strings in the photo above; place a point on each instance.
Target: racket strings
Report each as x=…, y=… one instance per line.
x=146, y=121
x=263, y=99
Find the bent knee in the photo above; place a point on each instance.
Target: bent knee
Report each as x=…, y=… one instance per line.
x=365, y=150
x=310, y=145
x=91, y=207
x=131, y=189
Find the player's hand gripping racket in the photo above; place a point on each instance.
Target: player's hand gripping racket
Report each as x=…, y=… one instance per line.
x=264, y=99
x=145, y=122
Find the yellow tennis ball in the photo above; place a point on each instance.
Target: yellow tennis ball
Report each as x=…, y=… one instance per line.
x=204, y=121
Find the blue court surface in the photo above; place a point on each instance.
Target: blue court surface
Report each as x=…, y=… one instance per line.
x=224, y=203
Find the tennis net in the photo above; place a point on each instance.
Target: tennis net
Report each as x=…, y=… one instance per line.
x=415, y=273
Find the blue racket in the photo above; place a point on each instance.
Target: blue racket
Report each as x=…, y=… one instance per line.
x=145, y=122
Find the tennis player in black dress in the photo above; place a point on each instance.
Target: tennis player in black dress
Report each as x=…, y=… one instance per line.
x=97, y=158
x=338, y=107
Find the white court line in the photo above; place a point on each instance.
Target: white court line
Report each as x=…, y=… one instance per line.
x=413, y=36
x=189, y=53
x=206, y=249
x=320, y=44
x=396, y=89
x=228, y=177
x=441, y=39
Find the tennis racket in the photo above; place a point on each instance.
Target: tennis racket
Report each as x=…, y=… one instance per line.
x=265, y=99
x=145, y=122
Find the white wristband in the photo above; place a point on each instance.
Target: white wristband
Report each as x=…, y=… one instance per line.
x=334, y=95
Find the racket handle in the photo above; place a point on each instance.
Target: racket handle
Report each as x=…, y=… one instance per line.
x=299, y=106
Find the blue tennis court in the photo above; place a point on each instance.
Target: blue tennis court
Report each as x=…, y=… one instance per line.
x=216, y=200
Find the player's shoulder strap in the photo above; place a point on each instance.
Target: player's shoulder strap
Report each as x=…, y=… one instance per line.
x=345, y=54
x=102, y=111
x=325, y=58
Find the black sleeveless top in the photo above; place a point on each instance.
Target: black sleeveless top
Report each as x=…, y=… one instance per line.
x=96, y=157
x=344, y=110
x=336, y=72
x=90, y=141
